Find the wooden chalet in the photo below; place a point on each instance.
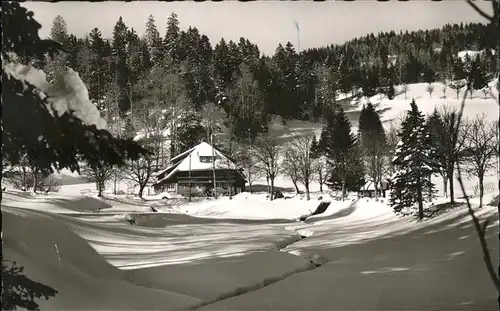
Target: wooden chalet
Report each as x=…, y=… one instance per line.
x=368, y=189
x=193, y=171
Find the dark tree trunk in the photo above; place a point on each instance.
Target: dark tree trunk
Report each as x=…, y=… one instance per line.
x=452, y=191
x=35, y=181
x=445, y=186
x=99, y=189
x=296, y=186
x=25, y=185
x=430, y=189
x=343, y=190
x=141, y=189
x=420, y=200
x=481, y=189
x=272, y=189
x=320, y=175
x=308, y=195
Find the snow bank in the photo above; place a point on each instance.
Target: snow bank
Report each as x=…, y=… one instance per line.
x=252, y=206
x=68, y=93
x=55, y=256
x=372, y=220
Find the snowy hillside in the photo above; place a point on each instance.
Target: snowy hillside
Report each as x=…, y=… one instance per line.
x=394, y=109
x=472, y=54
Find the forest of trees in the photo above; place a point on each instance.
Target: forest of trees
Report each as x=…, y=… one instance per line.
x=179, y=74
x=177, y=88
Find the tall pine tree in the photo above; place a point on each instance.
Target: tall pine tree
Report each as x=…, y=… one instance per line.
x=121, y=71
x=154, y=42
x=373, y=144
x=411, y=185
x=339, y=145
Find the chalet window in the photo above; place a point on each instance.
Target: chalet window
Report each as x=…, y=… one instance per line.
x=205, y=159
x=169, y=187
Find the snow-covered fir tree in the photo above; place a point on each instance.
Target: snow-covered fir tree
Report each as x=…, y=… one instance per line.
x=411, y=185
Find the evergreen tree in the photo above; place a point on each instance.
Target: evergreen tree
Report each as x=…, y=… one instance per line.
x=171, y=41
x=437, y=142
x=370, y=82
x=478, y=74
x=247, y=112
x=72, y=47
x=285, y=59
x=326, y=91
x=345, y=72
x=315, y=148
x=121, y=72
x=411, y=185
x=60, y=61
x=339, y=145
x=373, y=144
x=191, y=131
x=136, y=65
x=100, y=58
x=222, y=68
x=198, y=69
x=306, y=87
x=153, y=40
x=59, y=30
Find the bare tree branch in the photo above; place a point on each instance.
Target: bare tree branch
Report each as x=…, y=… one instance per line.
x=267, y=152
x=479, y=11
x=481, y=232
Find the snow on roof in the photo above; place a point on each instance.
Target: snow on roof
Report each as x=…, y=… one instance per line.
x=370, y=186
x=193, y=162
x=179, y=156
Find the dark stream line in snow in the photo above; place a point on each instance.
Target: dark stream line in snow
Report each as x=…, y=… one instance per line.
x=269, y=281
x=272, y=280
x=265, y=282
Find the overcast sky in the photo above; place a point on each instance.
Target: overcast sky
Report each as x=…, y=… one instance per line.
x=265, y=23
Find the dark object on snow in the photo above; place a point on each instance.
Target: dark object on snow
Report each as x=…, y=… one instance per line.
x=46, y=191
x=278, y=195
x=321, y=208
x=494, y=202
x=320, y=198
x=130, y=219
x=3, y=189
x=154, y=209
